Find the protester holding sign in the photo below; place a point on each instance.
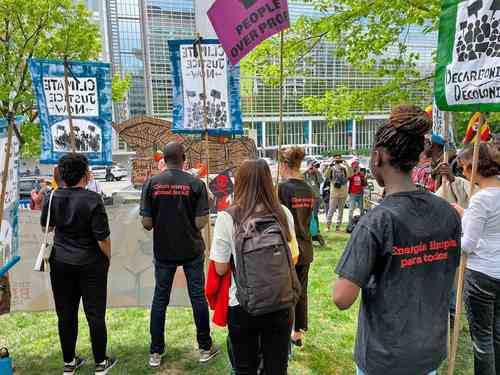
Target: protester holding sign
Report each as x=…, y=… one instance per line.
x=403, y=262
x=481, y=240
x=175, y=205
x=260, y=316
x=315, y=179
x=300, y=199
x=79, y=262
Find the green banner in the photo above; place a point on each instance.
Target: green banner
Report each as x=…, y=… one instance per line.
x=468, y=66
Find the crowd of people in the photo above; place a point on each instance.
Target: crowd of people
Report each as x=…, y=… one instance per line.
x=402, y=256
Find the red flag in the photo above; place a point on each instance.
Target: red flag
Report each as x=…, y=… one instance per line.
x=473, y=128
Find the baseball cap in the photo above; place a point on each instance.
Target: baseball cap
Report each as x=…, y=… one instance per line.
x=437, y=139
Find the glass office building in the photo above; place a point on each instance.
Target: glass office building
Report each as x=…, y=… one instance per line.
x=138, y=31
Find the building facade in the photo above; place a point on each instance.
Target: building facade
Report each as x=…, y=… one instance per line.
x=137, y=32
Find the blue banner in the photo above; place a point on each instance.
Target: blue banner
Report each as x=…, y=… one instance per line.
x=90, y=102
x=222, y=89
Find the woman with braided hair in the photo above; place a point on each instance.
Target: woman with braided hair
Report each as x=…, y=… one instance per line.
x=403, y=255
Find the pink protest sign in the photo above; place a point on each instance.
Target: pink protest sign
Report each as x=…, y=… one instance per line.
x=242, y=25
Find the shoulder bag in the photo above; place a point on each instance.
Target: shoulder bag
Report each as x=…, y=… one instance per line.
x=42, y=260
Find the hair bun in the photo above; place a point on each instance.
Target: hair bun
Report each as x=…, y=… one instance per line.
x=293, y=156
x=410, y=119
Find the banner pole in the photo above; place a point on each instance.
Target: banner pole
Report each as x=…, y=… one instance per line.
x=72, y=140
x=463, y=258
x=280, y=128
x=205, y=121
x=446, y=156
x=5, y=173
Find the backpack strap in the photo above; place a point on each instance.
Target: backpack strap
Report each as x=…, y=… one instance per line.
x=232, y=211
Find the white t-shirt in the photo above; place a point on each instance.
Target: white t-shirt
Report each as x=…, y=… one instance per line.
x=481, y=232
x=223, y=245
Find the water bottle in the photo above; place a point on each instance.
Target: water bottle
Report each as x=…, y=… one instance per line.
x=5, y=362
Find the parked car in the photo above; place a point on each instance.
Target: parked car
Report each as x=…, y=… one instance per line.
x=109, y=173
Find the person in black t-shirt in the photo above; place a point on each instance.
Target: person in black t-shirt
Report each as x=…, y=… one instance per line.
x=79, y=261
x=298, y=196
x=175, y=205
x=403, y=256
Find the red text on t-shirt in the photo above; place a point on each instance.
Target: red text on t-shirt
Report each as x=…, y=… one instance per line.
x=357, y=183
x=171, y=190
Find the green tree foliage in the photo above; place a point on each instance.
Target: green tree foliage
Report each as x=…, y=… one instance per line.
x=47, y=29
x=120, y=87
x=363, y=32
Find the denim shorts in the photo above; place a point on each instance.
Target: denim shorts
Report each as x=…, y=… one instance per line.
x=361, y=372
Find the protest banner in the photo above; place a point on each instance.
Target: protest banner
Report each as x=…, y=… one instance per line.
x=88, y=96
x=145, y=135
x=222, y=89
x=9, y=195
x=439, y=126
x=131, y=276
x=468, y=66
x=242, y=25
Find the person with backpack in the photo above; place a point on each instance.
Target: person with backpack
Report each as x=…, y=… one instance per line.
x=297, y=195
x=402, y=259
x=338, y=174
x=315, y=179
x=251, y=241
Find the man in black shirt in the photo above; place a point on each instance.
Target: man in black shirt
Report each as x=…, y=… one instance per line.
x=403, y=256
x=175, y=205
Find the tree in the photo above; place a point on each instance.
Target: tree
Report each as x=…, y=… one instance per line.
x=47, y=29
x=363, y=32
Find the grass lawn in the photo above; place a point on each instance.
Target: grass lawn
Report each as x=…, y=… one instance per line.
x=34, y=344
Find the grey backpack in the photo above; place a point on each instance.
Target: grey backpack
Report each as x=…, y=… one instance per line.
x=265, y=277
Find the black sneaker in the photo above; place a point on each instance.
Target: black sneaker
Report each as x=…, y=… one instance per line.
x=71, y=369
x=103, y=368
x=321, y=240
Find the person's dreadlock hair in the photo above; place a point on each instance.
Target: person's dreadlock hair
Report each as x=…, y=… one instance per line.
x=403, y=136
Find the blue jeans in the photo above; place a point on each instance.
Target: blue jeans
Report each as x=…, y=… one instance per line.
x=355, y=201
x=164, y=276
x=482, y=300
x=360, y=372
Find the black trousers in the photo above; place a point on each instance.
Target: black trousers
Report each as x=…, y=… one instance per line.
x=301, y=307
x=71, y=283
x=251, y=335
x=482, y=300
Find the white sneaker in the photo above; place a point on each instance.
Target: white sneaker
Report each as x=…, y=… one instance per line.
x=207, y=355
x=103, y=368
x=70, y=368
x=155, y=360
